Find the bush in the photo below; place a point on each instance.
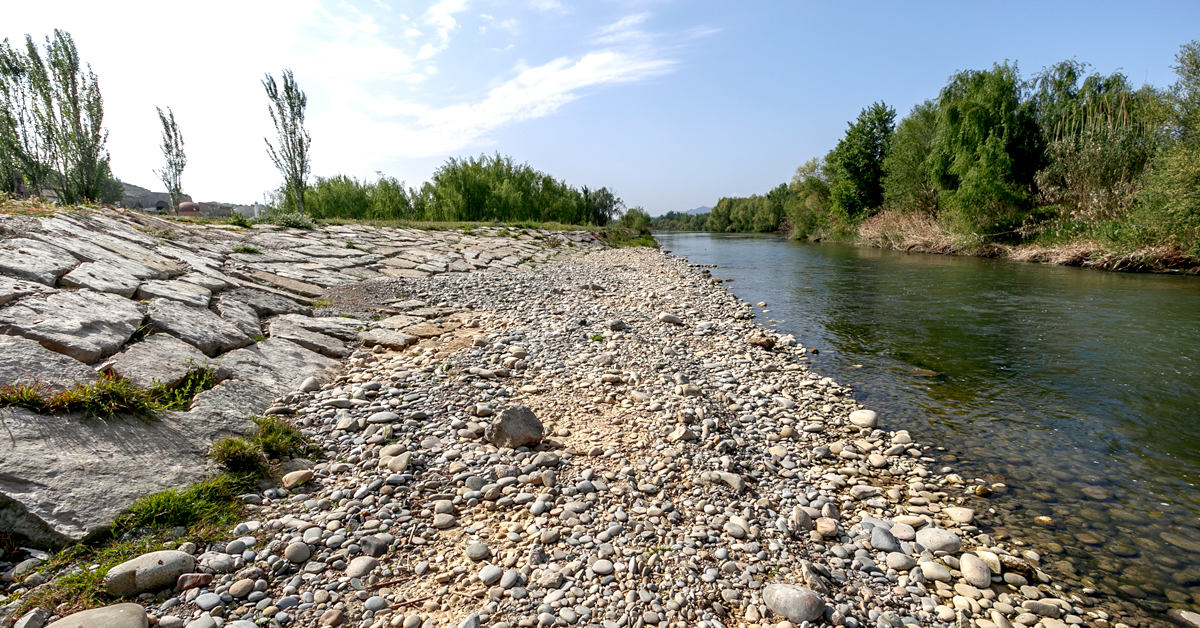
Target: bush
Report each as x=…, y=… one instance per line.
x=238, y=456
x=287, y=220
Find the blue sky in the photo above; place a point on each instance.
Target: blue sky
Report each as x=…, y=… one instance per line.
x=671, y=104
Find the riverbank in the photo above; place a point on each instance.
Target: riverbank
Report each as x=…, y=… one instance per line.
x=689, y=459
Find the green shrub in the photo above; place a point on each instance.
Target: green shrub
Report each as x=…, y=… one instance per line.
x=239, y=456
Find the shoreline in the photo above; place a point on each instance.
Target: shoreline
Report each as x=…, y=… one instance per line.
x=685, y=467
x=1153, y=260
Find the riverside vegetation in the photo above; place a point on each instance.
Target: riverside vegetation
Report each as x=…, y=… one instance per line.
x=1068, y=167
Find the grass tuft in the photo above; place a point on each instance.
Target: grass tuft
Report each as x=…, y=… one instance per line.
x=239, y=456
x=103, y=399
x=180, y=397
x=248, y=250
x=277, y=437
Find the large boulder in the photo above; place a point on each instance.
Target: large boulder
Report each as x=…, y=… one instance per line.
x=514, y=427
x=148, y=572
x=82, y=324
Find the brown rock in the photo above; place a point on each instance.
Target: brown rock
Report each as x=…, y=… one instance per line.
x=331, y=617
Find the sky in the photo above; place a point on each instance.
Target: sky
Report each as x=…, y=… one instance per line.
x=669, y=104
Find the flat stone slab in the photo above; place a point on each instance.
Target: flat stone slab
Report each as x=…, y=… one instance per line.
x=240, y=314
x=386, y=338
x=25, y=361
x=275, y=364
x=102, y=277
x=404, y=273
x=159, y=359
x=291, y=285
x=341, y=328
x=24, y=258
x=81, y=324
x=431, y=330
x=267, y=304
x=12, y=289
x=400, y=321
x=181, y=291
x=88, y=251
x=201, y=328
x=311, y=340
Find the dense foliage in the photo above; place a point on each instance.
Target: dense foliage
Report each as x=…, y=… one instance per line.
x=478, y=189
x=51, y=116
x=1067, y=156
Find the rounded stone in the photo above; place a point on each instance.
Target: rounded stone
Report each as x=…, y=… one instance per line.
x=478, y=551
x=900, y=562
x=602, y=567
x=864, y=418
x=297, y=552
x=115, y=616
x=147, y=572
x=490, y=574
x=798, y=604
x=443, y=521
x=939, y=540
x=975, y=571
x=241, y=588
x=375, y=603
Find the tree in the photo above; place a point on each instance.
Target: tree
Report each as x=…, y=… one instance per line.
x=70, y=111
x=907, y=184
x=986, y=151
x=857, y=164
x=287, y=114
x=173, y=157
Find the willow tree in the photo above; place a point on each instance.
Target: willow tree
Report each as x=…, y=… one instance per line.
x=173, y=157
x=287, y=114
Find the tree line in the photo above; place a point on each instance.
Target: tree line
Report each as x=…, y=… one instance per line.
x=52, y=138
x=1064, y=156
x=478, y=189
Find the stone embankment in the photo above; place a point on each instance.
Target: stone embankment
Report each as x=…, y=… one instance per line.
x=603, y=441
x=91, y=292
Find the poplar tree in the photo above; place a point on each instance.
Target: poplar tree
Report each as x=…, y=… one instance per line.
x=287, y=113
x=173, y=158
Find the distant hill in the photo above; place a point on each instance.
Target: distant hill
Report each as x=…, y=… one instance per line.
x=694, y=212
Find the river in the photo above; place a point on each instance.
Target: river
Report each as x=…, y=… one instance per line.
x=1078, y=389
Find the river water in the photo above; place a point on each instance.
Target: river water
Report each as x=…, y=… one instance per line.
x=1078, y=389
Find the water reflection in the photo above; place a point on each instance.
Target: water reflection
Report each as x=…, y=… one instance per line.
x=1080, y=386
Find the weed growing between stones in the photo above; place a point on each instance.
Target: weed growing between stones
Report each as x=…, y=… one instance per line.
x=180, y=397
x=248, y=250
x=237, y=455
x=102, y=399
x=107, y=397
x=277, y=438
x=273, y=438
